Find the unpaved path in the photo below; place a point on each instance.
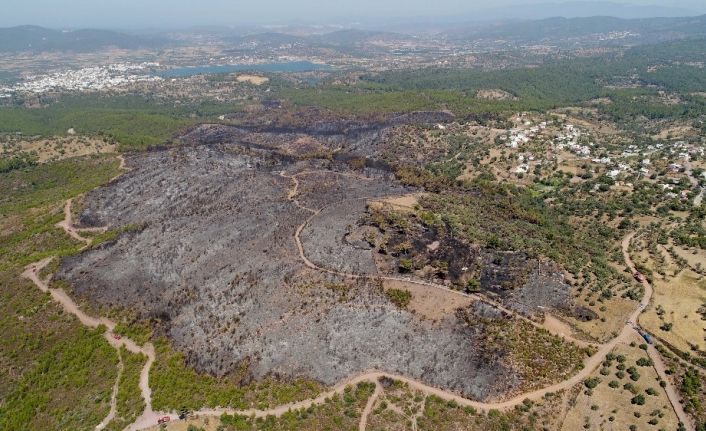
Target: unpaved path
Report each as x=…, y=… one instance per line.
x=369, y=406
x=113, y=396
x=68, y=227
x=659, y=366
x=550, y=326
x=32, y=273
x=121, y=167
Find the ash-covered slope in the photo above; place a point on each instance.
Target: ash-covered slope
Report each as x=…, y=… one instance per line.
x=213, y=257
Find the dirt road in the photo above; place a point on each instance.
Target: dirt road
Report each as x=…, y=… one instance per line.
x=32, y=273
x=113, y=396
x=68, y=227
x=550, y=324
x=369, y=407
x=660, y=367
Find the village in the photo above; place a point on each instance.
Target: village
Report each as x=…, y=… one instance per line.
x=85, y=79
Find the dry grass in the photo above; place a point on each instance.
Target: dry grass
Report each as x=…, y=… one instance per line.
x=205, y=423
x=252, y=79
x=495, y=94
x=557, y=326
x=598, y=406
x=694, y=260
x=677, y=132
x=616, y=312
x=678, y=300
x=433, y=304
x=404, y=203
x=57, y=148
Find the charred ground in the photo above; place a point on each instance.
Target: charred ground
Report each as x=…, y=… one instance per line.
x=215, y=266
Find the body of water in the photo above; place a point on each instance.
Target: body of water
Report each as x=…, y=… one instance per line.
x=293, y=66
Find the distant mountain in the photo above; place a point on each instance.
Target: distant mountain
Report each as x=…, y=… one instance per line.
x=476, y=14
x=557, y=29
x=40, y=39
x=580, y=9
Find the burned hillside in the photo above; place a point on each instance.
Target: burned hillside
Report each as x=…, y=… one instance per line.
x=244, y=257
x=216, y=261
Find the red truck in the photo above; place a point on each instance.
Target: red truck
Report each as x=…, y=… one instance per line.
x=163, y=420
x=640, y=277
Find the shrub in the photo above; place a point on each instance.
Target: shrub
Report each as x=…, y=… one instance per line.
x=644, y=362
x=638, y=400
x=400, y=298
x=473, y=285
x=406, y=265
x=591, y=383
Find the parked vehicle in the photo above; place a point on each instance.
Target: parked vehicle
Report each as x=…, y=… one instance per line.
x=640, y=277
x=648, y=338
x=163, y=420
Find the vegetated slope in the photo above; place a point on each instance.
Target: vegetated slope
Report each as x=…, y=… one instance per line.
x=134, y=122
x=38, y=39
x=558, y=29
x=55, y=374
x=353, y=37
x=640, y=71
x=562, y=82
x=267, y=39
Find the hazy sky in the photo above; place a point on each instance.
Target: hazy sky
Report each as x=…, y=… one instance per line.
x=178, y=13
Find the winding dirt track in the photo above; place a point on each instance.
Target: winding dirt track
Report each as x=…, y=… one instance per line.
x=114, y=396
x=302, y=255
x=149, y=417
x=658, y=363
x=369, y=407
